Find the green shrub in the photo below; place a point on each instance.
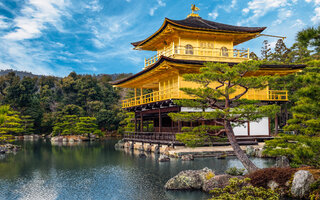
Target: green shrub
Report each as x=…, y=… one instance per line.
x=240, y=190
x=315, y=190
x=301, y=150
x=200, y=135
x=233, y=171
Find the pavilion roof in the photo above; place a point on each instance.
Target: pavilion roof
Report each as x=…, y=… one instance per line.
x=199, y=24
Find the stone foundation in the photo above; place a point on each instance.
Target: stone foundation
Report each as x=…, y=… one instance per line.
x=148, y=147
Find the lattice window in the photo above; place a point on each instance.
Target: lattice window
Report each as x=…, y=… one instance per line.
x=224, y=51
x=189, y=49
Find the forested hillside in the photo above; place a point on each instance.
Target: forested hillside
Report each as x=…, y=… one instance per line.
x=46, y=100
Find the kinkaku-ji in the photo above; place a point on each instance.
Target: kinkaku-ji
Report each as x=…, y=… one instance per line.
x=183, y=46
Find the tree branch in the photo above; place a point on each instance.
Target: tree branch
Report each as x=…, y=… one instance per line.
x=220, y=132
x=240, y=95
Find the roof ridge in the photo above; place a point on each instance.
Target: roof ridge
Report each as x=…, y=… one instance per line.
x=207, y=23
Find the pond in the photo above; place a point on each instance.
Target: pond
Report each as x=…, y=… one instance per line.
x=96, y=170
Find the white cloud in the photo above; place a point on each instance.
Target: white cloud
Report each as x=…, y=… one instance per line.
x=94, y=5
x=213, y=15
x=159, y=4
x=227, y=8
x=316, y=18
x=97, y=43
x=107, y=30
x=283, y=14
x=298, y=23
x=35, y=16
x=246, y=10
x=316, y=2
x=24, y=57
x=260, y=8
x=3, y=22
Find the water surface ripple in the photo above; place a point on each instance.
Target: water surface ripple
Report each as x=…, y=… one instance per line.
x=97, y=171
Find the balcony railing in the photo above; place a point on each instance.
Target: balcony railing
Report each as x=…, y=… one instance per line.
x=170, y=93
x=174, y=93
x=200, y=53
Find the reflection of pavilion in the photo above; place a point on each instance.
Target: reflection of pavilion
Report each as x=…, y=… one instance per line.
x=183, y=46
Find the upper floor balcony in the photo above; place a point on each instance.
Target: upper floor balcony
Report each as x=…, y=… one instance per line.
x=189, y=52
x=175, y=93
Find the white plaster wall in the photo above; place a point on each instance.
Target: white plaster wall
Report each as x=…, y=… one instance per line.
x=241, y=130
x=260, y=128
x=190, y=109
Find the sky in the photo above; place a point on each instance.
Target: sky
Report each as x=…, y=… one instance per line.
x=56, y=37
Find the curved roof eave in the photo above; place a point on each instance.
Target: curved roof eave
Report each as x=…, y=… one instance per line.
x=194, y=62
x=183, y=24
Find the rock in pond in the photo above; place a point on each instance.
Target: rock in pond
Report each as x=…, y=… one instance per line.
x=282, y=161
x=250, y=151
x=222, y=156
x=156, y=149
x=148, y=148
x=142, y=155
x=189, y=179
x=163, y=158
x=120, y=144
x=301, y=183
x=187, y=157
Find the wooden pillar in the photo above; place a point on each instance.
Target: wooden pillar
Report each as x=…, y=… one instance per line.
x=179, y=126
x=171, y=125
x=141, y=122
x=135, y=122
x=141, y=93
x=160, y=120
x=286, y=112
x=276, y=125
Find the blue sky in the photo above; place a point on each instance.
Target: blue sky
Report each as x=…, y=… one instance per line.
x=55, y=37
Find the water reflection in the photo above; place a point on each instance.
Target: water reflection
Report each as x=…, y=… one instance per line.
x=96, y=171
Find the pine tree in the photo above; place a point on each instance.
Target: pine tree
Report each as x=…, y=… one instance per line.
x=253, y=56
x=10, y=123
x=310, y=37
x=266, y=51
x=306, y=111
x=219, y=83
x=86, y=125
x=280, y=52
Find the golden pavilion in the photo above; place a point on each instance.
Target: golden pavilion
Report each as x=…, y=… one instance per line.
x=183, y=46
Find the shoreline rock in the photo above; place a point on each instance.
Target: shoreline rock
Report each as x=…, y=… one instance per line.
x=302, y=180
x=9, y=148
x=187, y=157
x=189, y=179
x=164, y=158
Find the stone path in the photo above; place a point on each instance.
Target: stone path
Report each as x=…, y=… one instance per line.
x=206, y=151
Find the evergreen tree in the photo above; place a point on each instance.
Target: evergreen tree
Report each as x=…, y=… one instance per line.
x=10, y=123
x=280, y=52
x=310, y=37
x=299, y=54
x=266, y=51
x=306, y=111
x=253, y=56
x=86, y=126
x=219, y=83
x=65, y=125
